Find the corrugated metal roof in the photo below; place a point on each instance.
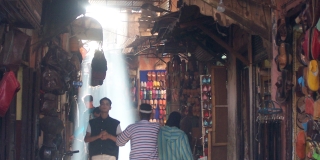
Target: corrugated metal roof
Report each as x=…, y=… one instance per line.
x=202, y=55
x=120, y=3
x=138, y=41
x=126, y=50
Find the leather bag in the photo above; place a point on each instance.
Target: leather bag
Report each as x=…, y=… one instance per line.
x=15, y=42
x=9, y=86
x=52, y=81
x=99, y=68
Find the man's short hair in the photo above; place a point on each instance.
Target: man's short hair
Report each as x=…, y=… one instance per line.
x=105, y=98
x=96, y=110
x=88, y=98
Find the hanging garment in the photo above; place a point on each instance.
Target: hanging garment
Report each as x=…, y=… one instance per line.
x=9, y=86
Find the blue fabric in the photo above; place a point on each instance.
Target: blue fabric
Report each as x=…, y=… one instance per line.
x=173, y=144
x=305, y=126
x=157, y=114
x=301, y=81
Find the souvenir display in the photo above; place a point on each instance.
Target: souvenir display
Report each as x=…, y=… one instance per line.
x=307, y=82
x=206, y=106
x=153, y=92
x=133, y=89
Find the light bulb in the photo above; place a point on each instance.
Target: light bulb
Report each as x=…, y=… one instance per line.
x=221, y=7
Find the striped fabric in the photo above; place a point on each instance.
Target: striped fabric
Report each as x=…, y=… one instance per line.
x=143, y=136
x=173, y=144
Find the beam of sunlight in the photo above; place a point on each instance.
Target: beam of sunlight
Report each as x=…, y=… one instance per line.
x=116, y=84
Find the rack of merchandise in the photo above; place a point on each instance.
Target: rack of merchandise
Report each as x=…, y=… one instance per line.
x=153, y=92
x=206, y=107
x=133, y=90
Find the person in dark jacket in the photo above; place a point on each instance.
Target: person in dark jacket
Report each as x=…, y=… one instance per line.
x=99, y=146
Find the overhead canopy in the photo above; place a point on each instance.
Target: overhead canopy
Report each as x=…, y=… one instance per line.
x=87, y=28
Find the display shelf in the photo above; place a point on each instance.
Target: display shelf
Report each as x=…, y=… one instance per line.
x=153, y=92
x=206, y=110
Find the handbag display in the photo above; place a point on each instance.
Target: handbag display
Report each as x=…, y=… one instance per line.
x=9, y=86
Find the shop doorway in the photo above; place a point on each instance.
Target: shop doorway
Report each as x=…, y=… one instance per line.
x=219, y=113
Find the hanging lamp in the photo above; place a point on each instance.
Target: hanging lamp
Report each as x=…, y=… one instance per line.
x=221, y=8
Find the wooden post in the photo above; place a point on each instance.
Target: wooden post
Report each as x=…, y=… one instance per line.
x=251, y=112
x=232, y=109
x=209, y=144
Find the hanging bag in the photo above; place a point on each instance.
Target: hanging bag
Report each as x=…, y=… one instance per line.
x=9, y=86
x=99, y=68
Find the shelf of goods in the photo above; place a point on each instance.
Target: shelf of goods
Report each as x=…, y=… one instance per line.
x=206, y=106
x=153, y=92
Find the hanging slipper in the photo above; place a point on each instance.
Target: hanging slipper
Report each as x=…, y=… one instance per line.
x=154, y=84
x=204, y=80
x=301, y=145
x=204, y=96
x=153, y=76
x=300, y=54
x=316, y=107
x=301, y=106
x=204, y=88
x=284, y=57
x=141, y=94
x=158, y=76
x=311, y=130
x=141, y=84
x=309, y=105
x=301, y=89
x=161, y=77
x=311, y=43
x=315, y=43
x=280, y=94
x=284, y=32
x=313, y=75
x=149, y=76
x=302, y=120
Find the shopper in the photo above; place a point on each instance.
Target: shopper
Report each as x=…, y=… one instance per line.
x=173, y=143
x=81, y=119
x=88, y=113
x=101, y=148
x=96, y=112
x=143, y=136
x=188, y=122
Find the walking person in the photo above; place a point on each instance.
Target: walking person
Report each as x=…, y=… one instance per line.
x=100, y=147
x=96, y=112
x=88, y=113
x=143, y=136
x=81, y=119
x=173, y=143
x=188, y=122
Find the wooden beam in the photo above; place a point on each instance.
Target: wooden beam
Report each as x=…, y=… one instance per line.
x=196, y=21
x=248, y=25
x=223, y=44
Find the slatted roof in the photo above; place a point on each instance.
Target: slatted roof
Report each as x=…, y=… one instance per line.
x=122, y=3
